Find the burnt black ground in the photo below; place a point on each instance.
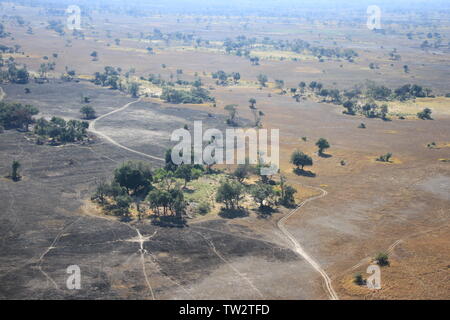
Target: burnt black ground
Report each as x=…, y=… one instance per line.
x=44, y=228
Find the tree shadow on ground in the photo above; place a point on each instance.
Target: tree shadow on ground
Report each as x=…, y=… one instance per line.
x=125, y=219
x=304, y=173
x=169, y=222
x=325, y=155
x=233, y=213
x=265, y=212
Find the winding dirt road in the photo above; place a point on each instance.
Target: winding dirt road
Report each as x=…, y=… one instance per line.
x=281, y=223
x=300, y=251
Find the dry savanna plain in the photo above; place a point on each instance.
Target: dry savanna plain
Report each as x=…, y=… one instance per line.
x=163, y=72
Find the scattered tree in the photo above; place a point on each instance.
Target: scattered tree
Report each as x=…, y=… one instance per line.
x=322, y=144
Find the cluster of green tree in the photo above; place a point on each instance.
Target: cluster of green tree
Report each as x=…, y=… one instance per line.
x=16, y=115
x=157, y=80
x=44, y=68
x=68, y=75
x=409, y=91
x=61, y=131
x=301, y=160
x=223, y=77
x=425, y=114
x=57, y=26
x=6, y=49
x=370, y=110
x=195, y=95
x=159, y=190
x=111, y=78
x=266, y=192
x=157, y=34
x=3, y=33
x=242, y=46
x=381, y=92
x=14, y=74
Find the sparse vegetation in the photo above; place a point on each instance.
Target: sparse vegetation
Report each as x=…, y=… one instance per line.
x=382, y=259
x=385, y=158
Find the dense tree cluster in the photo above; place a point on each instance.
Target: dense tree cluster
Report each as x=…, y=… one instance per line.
x=60, y=131
x=222, y=78
x=14, y=74
x=195, y=95
x=242, y=46
x=16, y=115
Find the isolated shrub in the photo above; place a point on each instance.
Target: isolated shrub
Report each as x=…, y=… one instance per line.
x=362, y=126
x=322, y=144
x=385, y=158
x=425, y=114
x=382, y=259
x=358, y=279
x=88, y=112
x=203, y=208
x=15, y=170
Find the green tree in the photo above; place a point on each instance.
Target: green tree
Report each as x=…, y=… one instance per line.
x=230, y=193
x=232, y=112
x=135, y=177
x=252, y=102
x=287, y=193
x=88, y=112
x=170, y=165
x=123, y=203
x=322, y=144
x=241, y=172
x=299, y=159
x=15, y=170
x=382, y=259
x=264, y=194
x=134, y=89
x=262, y=79
x=425, y=114
x=188, y=173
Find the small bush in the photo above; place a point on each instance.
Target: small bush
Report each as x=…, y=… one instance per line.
x=358, y=279
x=385, y=158
x=425, y=114
x=203, y=208
x=382, y=259
x=362, y=126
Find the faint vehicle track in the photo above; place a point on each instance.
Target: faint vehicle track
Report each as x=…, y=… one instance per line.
x=106, y=137
x=243, y=276
x=281, y=223
x=300, y=251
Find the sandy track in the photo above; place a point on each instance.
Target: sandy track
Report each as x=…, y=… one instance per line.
x=281, y=223
x=109, y=139
x=300, y=251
